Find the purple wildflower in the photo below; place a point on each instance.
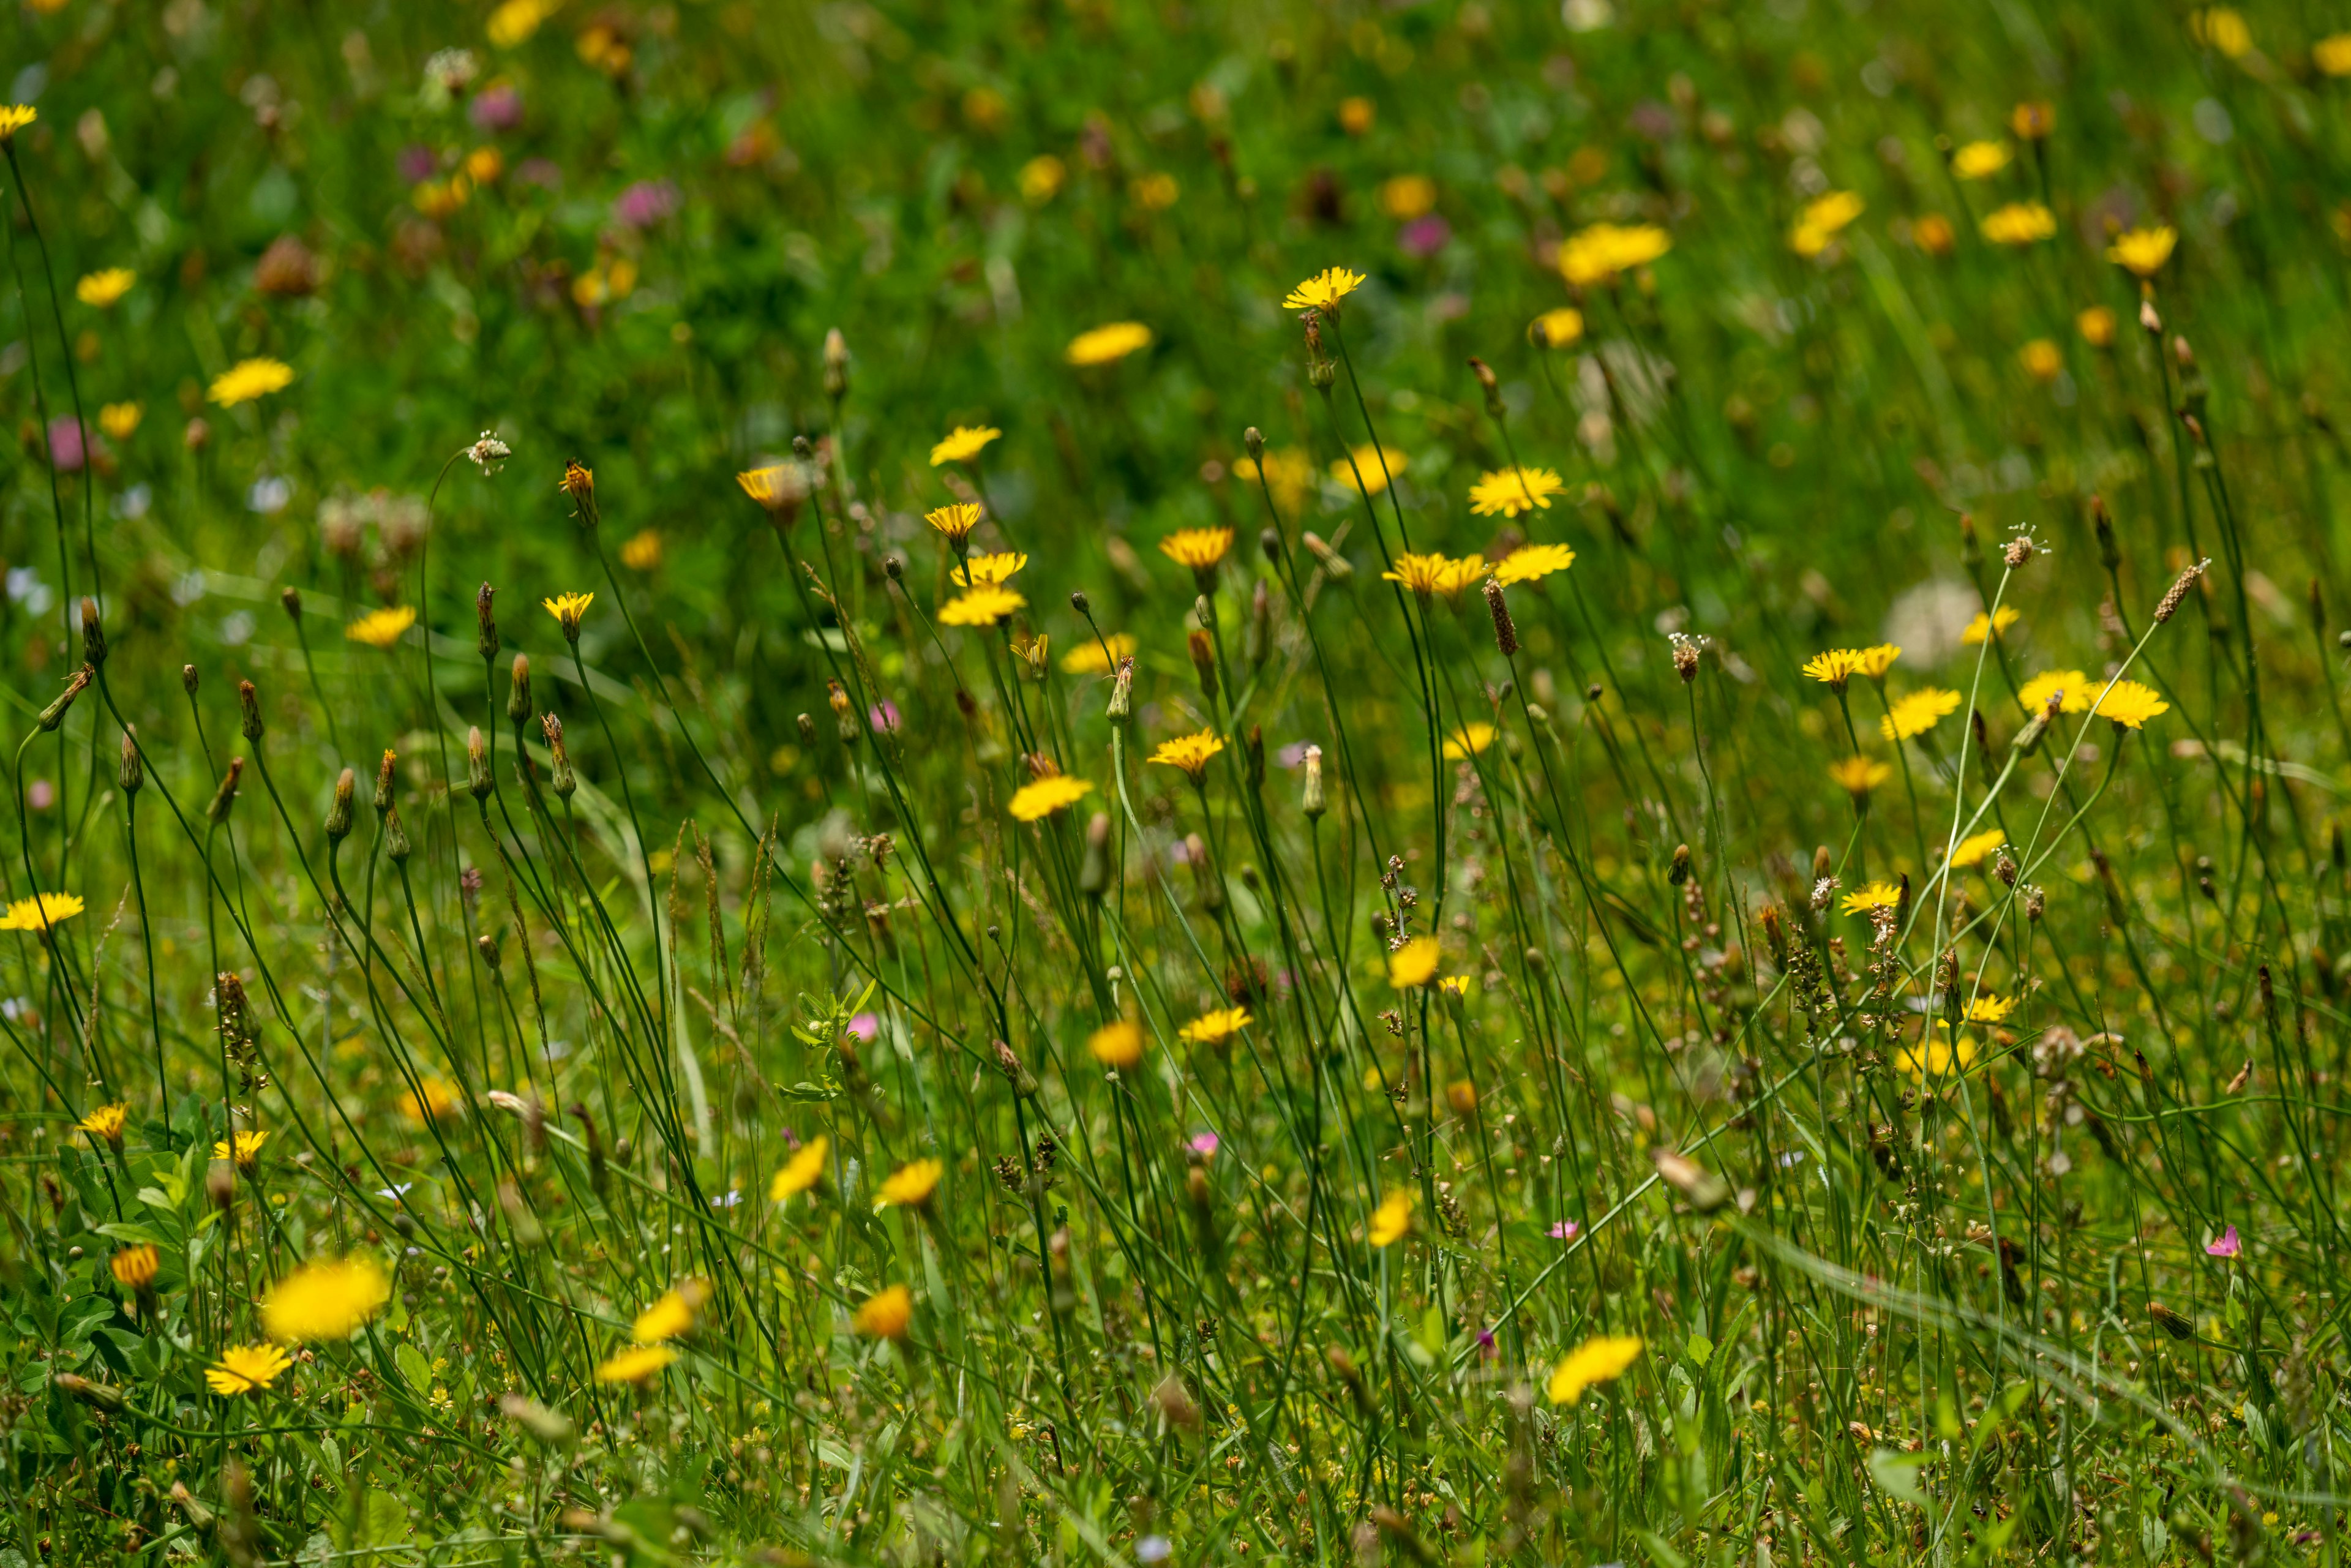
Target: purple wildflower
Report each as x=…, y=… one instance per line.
x=2228, y=1246
x=645, y=203
x=417, y=164
x=1205, y=1146
x=1566, y=1230
x=865, y=1026
x=498, y=108
x=68, y=451
x=1424, y=235
x=884, y=716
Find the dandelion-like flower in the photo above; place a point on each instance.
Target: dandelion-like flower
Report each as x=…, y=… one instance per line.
x=1971, y=850
x=1324, y=290
x=247, y=1369
x=911, y=1186
x=324, y=1301
x=243, y=1149
x=2032, y=121
x=1874, y=662
x=1189, y=752
x=1938, y=1057
x=802, y=1171
x=1982, y=160
x=1415, y=963
x=956, y=521
x=962, y=444
x=120, y=420
x=1199, y=548
x=14, y=117
x=1859, y=775
x=1874, y=895
x=2332, y=54
x=639, y=1364
x=2143, y=252
x=1373, y=465
x=1041, y=797
x=1098, y=656
x=567, y=609
x=1561, y=326
x=1107, y=345
x=250, y=379
x=779, y=488
x=1987, y=626
x=2130, y=704
x=1430, y=573
x=381, y=628
x=672, y=1316
x=1391, y=1221
x=1468, y=740
x=1991, y=1009
x=135, y=1268
x=1918, y=712
x=1602, y=1359
x=1833, y=667
x=2019, y=223
x=1215, y=1025
x=106, y=286
x=982, y=606
x=1117, y=1046
x=642, y=551
x=886, y=1313
x=1600, y=253
x=997, y=566
x=40, y=911
x=1513, y=492
x=1530, y=563
x=1823, y=218
x=107, y=1124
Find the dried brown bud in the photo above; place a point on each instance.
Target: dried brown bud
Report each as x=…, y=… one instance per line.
x=339, y=815
x=2170, y=606
x=248, y=702
x=485, y=640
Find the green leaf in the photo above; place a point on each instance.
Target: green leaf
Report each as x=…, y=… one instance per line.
x=1897, y=1474
x=1701, y=1349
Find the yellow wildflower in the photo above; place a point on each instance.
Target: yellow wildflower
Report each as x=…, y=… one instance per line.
x=1366, y=463
x=250, y=379
x=2020, y=223
x=1971, y=850
x=639, y=1364
x=1859, y=775
x=104, y=288
x=329, y=1301
x=983, y=606
x=1991, y=1009
x=1199, y=548
x=642, y=551
x=1918, y=712
x=1936, y=1056
x=802, y=1171
x=886, y=1313
x=1107, y=345
x=1561, y=326
x=1600, y=253
x=1216, y=1024
x=1098, y=656
x=2075, y=686
x=1324, y=291
x=671, y=1316
x=1530, y=562
x=1189, y=752
x=247, y=1369
x=1982, y=160
x=1117, y=1045
x=1415, y=963
x=381, y=628
x=996, y=568
x=245, y=1148
x=120, y=420
x=1873, y=896
x=1833, y=667
x=2143, y=252
x=40, y=913
x=962, y=443
x=1391, y=1221
x=135, y=1268
x=1824, y=218
x=1985, y=627
x=1874, y=662
x=954, y=521
x=567, y=609
x=1043, y=797
x=1514, y=492
x=1468, y=740
x=911, y=1185
x=107, y=1124
x=1599, y=1360
x=2130, y=704
x=2332, y=54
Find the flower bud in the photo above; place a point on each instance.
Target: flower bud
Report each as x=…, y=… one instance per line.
x=563, y=783
x=339, y=815
x=1253, y=750
x=486, y=636
x=225, y=796
x=579, y=483
x=188, y=679
x=2109, y=556
x=290, y=600
x=134, y=768
x=248, y=702
x=1024, y=1082
x=893, y=568
x=1506, y=631
x=1269, y=544
x=1489, y=384
x=519, y=707
x=1080, y=602
x=836, y=365
x=93, y=634
x=1315, y=805
x=54, y=714
x=1258, y=642
x=477, y=764
x=1122, y=693
x=1203, y=662
x=396, y=847
x=1254, y=439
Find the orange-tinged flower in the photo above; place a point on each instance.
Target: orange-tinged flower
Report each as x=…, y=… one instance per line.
x=642, y=551
x=134, y=1268
x=962, y=444
x=886, y=1313
x=2097, y=324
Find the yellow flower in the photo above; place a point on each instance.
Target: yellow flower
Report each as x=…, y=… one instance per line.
x=1455, y=986
x=1391, y=1221
x=1324, y=290
x=103, y=288
x=1097, y=656
x=911, y=1185
x=954, y=521
x=1874, y=662
x=639, y=1364
x=1108, y=345
x=1365, y=461
x=1355, y=115
x=107, y=1124
x=2143, y=252
x=1287, y=475
x=1055, y=792
x=671, y=1316
x=1874, y=895
x=1985, y=627
x=1530, y=562
x=1199, y=548
x=1190, y=752
x=1598, y=254
x=2130, y=704
x=1834, y=667
x=1155, y=192
x=40, y=913
x=2333, y=55
x=516, y=20
x=245, y=1148
x=432, y=1100
x=247, y=1369
x=962, y=444
x=250, y=379
x=2041, y=360
x=2020, y=223
x=1116, y=1045
x=802, y=1171
x=1216, y=1024
x=1561, y=326
x=1917, y=714
x=996, y=568
x=983, y=606
x=1859, y=775
x=134, y=1268
x=1518, y=490
x=567, y=609
x=381, y=628
x=120, y=420
x=2075, y=685
x=1982, y=160
x=2032, y=121
x=325, y=1301
x=1600, y=1360
x=1468, y=740
x=1433, y=573
x=1991, y=1009
x=1415, y=963
x=1936, y=1057
x=1971, y=850
x=2097, y=324
x=1408, y=196
x=13, y=118
x=1823, y=218
x=642, y=551
x=885, y=1314
x=779, y=486
x=1040, y=179
x=2224, y=29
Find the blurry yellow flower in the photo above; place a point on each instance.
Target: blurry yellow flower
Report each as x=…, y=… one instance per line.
x=1456, y=985
x=1918, y=712
x=1199, y=548
x=1934, y=234
x=802, y=1171
x=2223, y=29
x=639, y=1364
x=106, y=1124
x=1874, y=662
x=1530, y=563
x=1324, y=290
x=104, y=288
x=1873, y=896
x=1189, y=752
x=120, y=420
x=1823, y=218
x=41, y=912
x=2041, y=360
x=1415, y=963
x=381, y=628
x=14, y=117
x=1468, y=740
x=2143, y=252
x=1561, y=326
x=329, y=1301
x=1287, y=474
x=1105, y=345
x=1513, y=492
x=1980, y=160
x=911, y=1186
x=954, y=521
x=1859, y=775
x=2096, y=325
x=672, y=1316
x=1991, y=1009
x=1391, y=1221
x=1833, y=667
x=2130, y=704
x=432, y=1100
x=1936, y=1057
x=2333, y=55
x=642, y=551
x=250, y=379
x=983, y=606
x=1366, y=461
x=1097, y=656
x=1432, y=573
x=567, y=609
x=1042, y=798
x=1355, y=115
x=1971, y=850
x=962, y=444
x=2035, y=693
x=1040, y=179
x=1117, y=1045
x=247, y=1369
x=2020, y=223
x=1216, y=1024
x=983, y=569
x=134, y=1268
x=2032, y=121
x=1987, y=626
x=779, y=487
x=516, y=20
x=245, y=1148
x=1408, y=196
x=1598, y=254
x=886, y=1313
x=1155, y=193
x=1600, y=1360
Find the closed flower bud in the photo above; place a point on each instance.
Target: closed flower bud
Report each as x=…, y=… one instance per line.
x=1080, y=602
x=1269, y=543
x=248, y=702
x=396, y=847
x=1253, y=748
x=579, y=483
x=225, y=796
x=93, y=633
x=488, y=946
x=1122, y=693
x=1254, y=440
x=1024, y=1082
x=563, y=783
x=188, y=679
x=54, y=714
x=1487, y=381
x=477, y=764
x=383, y=793
x=486, y=636
x=1678, y=873
x=1315, y=803
x=339, y=815
x=1506, y=631
x=134, y=770
x=807, y=731
x=2109, y=556
x=836, y=365
x=518, y=709
x=892, y=567
x=1260, y=641
x=1203, y=662
x=290, y=600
